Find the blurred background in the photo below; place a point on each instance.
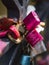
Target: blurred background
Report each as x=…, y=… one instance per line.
x=42, y=9
x=3, y=10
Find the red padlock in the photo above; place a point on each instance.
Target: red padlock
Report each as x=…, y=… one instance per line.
x=5, y=23
x=14, y=32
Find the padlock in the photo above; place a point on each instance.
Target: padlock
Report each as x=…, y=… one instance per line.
x=5, y=23
x=25, y=60
x=33, y=37
x=31, y=21
x=36, y=41
x=14, y=32
x=4, y=45
x=14, y=35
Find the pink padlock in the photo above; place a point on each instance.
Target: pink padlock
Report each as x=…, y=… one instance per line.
x=31, y=21
x=33, y=37
x=3, y=46
x=36, y=41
